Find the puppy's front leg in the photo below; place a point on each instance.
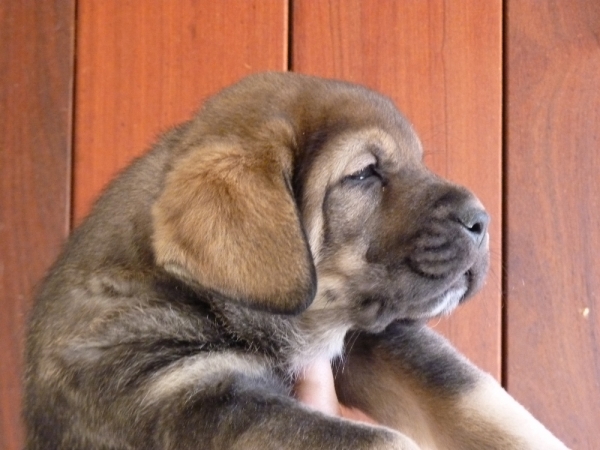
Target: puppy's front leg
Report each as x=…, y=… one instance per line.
x=410, y=379
x=242, y=412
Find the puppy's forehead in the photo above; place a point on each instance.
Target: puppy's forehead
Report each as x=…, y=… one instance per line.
x=353, y=150
x=345, y=154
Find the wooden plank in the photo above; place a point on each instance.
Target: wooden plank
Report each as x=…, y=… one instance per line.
x=36, y=75
x=553, y=206
x=441, y=63
x=144, y=66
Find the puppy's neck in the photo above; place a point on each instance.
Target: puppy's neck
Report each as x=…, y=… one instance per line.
x=323, y=332
x=292, y=342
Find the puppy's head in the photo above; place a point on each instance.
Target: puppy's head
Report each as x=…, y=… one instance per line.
x=290, y=189
x=391, y=240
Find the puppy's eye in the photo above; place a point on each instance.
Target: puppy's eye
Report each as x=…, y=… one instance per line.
x=364, y=174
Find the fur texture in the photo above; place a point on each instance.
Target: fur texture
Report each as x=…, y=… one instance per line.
x=288, y=212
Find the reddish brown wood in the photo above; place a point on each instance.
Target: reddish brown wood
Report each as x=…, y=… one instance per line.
x=144, y=66
x=36, y=68
x=441, y=63
x=553, y=283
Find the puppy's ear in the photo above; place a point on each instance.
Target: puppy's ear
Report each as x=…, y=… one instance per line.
x=227, y=221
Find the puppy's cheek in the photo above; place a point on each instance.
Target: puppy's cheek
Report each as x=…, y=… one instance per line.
x=374, y=313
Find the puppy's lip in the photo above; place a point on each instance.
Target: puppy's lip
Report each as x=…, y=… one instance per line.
x=472, y=269
x=470, y=277
x=444, y=303
x=455, y=294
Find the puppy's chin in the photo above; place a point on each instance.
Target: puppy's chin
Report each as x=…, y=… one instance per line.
x=374, y=313
x=458, y=291
x=445, y=303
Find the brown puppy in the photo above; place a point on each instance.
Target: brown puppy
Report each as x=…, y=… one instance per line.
x=246, y=244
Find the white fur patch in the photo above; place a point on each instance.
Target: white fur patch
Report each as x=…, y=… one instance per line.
x=448, y=303
x=323, y=332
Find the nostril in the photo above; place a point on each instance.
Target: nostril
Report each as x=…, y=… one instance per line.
x=475, y=221
x=476, y=228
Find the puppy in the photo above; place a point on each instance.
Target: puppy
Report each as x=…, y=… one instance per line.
x=247, y=243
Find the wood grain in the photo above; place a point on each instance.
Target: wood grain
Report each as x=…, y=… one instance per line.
x=36, y=76
x=441, y=63
x=553, y=221
x=144, y=66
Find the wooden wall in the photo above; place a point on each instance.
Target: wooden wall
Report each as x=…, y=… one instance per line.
x=145, y=66
x=504, y=96
x=553, y=214
x=36, y=90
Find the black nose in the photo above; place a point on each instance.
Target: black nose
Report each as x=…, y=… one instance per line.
x=474, y=220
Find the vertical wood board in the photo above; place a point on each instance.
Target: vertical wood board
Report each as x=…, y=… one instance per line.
x=553, y=215
x=36, y=75
x=145, y=66
x=441, y=63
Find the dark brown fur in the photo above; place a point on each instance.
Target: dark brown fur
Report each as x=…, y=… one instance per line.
x=289, y=211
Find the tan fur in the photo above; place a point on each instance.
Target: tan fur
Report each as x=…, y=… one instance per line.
x=489, y=411
x=342, y=157
x=223, y=190
x=193, y=374
x=482, y=416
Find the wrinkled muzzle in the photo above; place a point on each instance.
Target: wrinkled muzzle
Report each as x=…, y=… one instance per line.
x=432, y=246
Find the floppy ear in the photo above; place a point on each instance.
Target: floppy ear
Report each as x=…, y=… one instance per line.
x=227, y=221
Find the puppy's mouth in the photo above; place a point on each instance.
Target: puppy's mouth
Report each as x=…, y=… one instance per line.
x=446, y=275
x=432, y=297
x=444, y=303
x=377, y=311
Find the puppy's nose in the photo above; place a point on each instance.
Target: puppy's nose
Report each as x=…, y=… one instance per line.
x=475, y=221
